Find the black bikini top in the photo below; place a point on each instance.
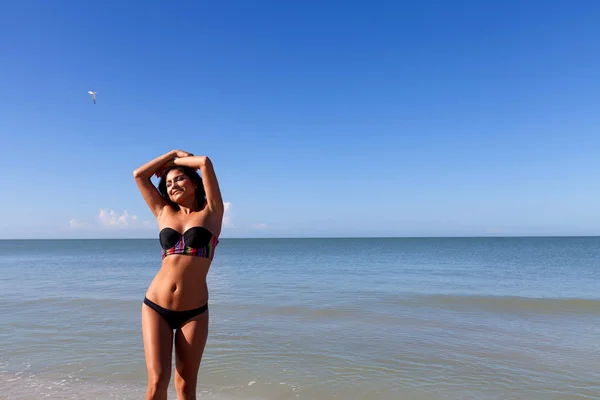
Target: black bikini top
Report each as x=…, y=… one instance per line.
x=196, y=241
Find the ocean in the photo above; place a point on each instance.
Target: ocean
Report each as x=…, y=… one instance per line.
x=422, y=318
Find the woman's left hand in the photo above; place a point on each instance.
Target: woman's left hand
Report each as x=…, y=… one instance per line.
x=181, y=153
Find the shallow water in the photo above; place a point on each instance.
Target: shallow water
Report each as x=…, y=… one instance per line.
x=489, y=318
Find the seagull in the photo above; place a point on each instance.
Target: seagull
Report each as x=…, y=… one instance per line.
x=93, y=95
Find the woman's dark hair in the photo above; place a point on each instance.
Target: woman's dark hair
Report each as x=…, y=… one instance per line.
x=190, y=173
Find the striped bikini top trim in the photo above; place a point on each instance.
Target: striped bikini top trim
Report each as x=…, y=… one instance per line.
x=207, y=251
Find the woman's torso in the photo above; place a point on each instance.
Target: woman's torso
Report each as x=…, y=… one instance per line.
x=180, y=284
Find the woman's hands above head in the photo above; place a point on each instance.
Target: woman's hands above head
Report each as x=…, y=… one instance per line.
x=171, y=163
x=157, y=167
x=181, y=153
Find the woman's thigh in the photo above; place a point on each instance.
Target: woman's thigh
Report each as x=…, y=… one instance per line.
x=190, y=341
x=158, y=343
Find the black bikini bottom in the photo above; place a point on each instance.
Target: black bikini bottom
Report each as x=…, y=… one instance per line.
x=175, y=318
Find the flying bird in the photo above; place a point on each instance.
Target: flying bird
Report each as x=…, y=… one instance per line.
x=93, y=95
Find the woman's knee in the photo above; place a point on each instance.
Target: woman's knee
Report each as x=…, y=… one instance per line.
x=186, y=389
x=158, y=381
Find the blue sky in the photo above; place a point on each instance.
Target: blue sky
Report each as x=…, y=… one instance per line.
x=322, y=118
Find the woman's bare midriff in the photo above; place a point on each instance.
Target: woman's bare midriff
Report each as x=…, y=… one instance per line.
x=180, y=284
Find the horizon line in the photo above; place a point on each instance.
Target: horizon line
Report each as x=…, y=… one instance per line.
x=332, y=237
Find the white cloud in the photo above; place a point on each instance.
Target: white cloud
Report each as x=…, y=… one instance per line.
x=114, y=219
x=227, y=215
x=110, y=218
x=228, y=218
x=75, y=223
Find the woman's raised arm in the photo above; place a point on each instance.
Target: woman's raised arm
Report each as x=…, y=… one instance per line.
x=209, y=178
x=142, y=177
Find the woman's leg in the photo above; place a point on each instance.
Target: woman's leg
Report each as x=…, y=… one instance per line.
x=158, y=349
x=190, y=340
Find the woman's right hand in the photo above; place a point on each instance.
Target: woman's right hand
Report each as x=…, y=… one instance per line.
x=171, y=163
x=181, y=153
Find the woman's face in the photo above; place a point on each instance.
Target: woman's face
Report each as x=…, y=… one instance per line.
x=179, y=186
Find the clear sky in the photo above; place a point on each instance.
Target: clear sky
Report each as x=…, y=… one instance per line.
x=322, y=118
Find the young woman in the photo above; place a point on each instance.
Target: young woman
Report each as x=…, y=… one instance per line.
x=189, y=210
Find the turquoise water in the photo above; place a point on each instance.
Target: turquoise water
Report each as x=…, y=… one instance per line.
x=455, y=318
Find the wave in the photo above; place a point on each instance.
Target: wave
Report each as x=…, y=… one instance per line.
x=509, y=304
x=350, y=306
x=397, y=306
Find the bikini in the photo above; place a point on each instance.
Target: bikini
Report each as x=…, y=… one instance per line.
x=196, y=241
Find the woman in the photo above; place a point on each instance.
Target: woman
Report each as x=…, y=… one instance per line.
x=189, y=211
